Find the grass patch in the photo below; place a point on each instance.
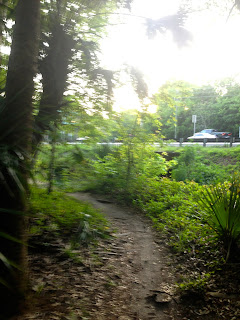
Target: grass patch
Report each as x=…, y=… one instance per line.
x=63, y=216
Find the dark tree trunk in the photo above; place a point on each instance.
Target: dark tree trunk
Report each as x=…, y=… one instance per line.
x=54, y=70
x=52, y=160
x=1, y=30
x=16, y=125
x=21, y=70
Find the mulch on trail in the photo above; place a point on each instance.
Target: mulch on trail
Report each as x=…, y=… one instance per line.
x=87, y=286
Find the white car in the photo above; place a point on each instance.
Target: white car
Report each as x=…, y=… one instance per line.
x=201, y=136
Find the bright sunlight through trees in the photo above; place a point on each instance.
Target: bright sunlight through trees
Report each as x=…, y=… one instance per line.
x=212, y=54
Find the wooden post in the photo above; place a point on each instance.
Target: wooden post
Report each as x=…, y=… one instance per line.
x=232, y=140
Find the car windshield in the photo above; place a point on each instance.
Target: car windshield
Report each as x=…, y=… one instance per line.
x=208, y=130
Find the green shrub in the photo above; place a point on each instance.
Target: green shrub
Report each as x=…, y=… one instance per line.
x=172, y=207
x=193, y=166
x=194, y=286
x=122, y=171
x=71, y=166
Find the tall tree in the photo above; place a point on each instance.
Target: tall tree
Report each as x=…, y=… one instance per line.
x=227, y=116
x=70, y=48
x=15, y=143
x=173, y=109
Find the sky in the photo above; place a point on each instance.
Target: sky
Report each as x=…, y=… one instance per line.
x=213, y=53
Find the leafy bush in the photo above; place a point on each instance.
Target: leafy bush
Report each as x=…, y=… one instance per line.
x=125, y=169
x=70, y=167
x=102, y=150
x=172, y=207
x=197, y=285
x=193, y=166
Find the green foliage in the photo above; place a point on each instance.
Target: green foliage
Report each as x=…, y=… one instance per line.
x=133, y=173
x=70, y=166
x=13, y=186
x=127, y=167
x=171, y=206
x=9, y=264
x=216, y=106
x=101, y=151
x=11, y=164
x=130, y=163
x=197, y=285
x=221, y=210
x=173, y=112
x=192, y=165
x=73, y=255
x=66, y=216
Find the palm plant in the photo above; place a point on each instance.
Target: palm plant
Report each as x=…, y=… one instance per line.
x=221, y=206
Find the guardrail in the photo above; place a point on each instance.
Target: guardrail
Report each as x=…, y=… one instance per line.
x=206, y=143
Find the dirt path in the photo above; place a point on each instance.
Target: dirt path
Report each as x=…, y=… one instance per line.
x=141, y=260
x=130, y=276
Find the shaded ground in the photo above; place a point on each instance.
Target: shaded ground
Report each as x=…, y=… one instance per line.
x=131, y=276
x=141, y=262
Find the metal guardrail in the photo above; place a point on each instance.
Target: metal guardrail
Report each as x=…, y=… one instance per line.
x=206, y=143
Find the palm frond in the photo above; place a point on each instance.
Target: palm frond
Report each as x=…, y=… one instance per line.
x=221, y=204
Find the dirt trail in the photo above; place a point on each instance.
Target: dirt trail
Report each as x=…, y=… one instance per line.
x=141, y=259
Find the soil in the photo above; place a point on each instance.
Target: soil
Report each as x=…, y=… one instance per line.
x=141, y=260
x=131, y=276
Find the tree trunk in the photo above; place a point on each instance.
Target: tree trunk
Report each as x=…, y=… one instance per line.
x=21, y=70
x=16, y=125
x=2, y=14
x=54, y=70
x=52, y=160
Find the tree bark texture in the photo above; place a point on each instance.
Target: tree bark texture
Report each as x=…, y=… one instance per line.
x=52, y=160
x=2, y=13
x=54, y=70
x=16, y=125
x=21, y=70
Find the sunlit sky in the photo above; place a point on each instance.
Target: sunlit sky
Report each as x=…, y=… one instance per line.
x=213, y=54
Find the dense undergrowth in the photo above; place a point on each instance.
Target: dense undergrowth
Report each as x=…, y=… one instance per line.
x=206, y=165
x=170, y=193
x=134, y=173
x=73, y=168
